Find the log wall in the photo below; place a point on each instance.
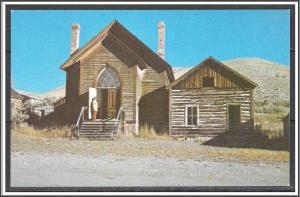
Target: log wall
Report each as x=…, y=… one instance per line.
x=212, y=110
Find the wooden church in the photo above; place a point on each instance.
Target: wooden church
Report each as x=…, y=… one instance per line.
x=127, y=78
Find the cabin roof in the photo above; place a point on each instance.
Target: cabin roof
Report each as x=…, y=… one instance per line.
x=15, y=94
x=125, y=46
x=194, y=69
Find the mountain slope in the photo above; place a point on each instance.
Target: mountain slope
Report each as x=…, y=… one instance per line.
x=272, y=78
x=56, y=93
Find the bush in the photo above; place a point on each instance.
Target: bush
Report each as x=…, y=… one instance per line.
x=17, y=117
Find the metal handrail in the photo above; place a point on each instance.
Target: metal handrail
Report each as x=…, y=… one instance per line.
x=119, y=115
x=80, y=115
x=119, y=119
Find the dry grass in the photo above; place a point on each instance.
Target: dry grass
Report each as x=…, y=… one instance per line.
x=148, y=132
x=135, y=147
x=62, y=132
x=272, y=125
x=148, y=143
x=252, y=155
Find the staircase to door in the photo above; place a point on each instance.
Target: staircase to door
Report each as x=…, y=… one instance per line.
x=98, y=129
x=101, y=129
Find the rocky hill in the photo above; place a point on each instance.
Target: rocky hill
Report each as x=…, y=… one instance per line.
x=55, y=93
x=272, y=78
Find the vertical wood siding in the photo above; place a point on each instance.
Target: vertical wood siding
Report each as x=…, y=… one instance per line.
x=222, y=78
x=94, y=63
x=153, y=105
x=72, y=82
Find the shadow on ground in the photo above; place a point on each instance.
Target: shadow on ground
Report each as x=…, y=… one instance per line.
x=249, y=140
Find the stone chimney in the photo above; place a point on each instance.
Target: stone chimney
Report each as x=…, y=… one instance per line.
x=161, y=39
x=75, y=37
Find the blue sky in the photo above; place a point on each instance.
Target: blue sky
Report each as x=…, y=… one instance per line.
x=40, y=39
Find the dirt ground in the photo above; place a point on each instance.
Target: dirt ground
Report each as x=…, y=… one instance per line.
x=50, y=162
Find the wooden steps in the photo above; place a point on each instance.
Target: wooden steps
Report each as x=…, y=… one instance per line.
x=98, y=130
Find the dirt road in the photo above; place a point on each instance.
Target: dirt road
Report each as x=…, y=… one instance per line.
x=53, y=169
x=40, y=162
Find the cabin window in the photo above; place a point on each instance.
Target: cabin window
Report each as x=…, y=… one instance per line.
x=208, y=82
x=191, y=118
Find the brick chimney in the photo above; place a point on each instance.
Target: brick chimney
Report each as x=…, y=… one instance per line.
x=161, y=39
x=75, y=37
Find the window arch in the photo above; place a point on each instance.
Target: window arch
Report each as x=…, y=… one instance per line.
x=108, y=79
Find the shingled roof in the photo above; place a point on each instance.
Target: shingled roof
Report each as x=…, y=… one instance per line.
x=127, y=47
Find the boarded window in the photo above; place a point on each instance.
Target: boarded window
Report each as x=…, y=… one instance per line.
x=208, y=82
x=191, y=115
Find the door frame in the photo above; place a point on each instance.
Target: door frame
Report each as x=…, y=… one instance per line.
x=119, y=89
x=227, y=113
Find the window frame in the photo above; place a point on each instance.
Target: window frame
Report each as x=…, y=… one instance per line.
x=186, y=115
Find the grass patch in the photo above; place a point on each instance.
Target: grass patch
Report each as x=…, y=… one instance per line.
x=271, y=124
x=29, y=140
x=53, y=132
x=251, y=155
x=148, y=132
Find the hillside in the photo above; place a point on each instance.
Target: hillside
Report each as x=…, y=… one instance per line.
x=56, y=93
x=273, y=79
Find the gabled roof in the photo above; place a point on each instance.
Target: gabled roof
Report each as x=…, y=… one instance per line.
x=15, y=94
x=233, y=72
x=127, y=47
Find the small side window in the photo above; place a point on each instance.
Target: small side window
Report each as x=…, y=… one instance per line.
x=191, y=115
x=208, y=82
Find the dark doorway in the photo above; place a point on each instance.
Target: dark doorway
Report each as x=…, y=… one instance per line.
x=109, y=103
x=234, y=117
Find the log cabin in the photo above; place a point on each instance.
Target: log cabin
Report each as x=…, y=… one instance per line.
x=210, y=99
x=122, y=73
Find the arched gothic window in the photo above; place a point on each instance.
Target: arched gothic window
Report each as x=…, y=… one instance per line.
x=108, y=79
